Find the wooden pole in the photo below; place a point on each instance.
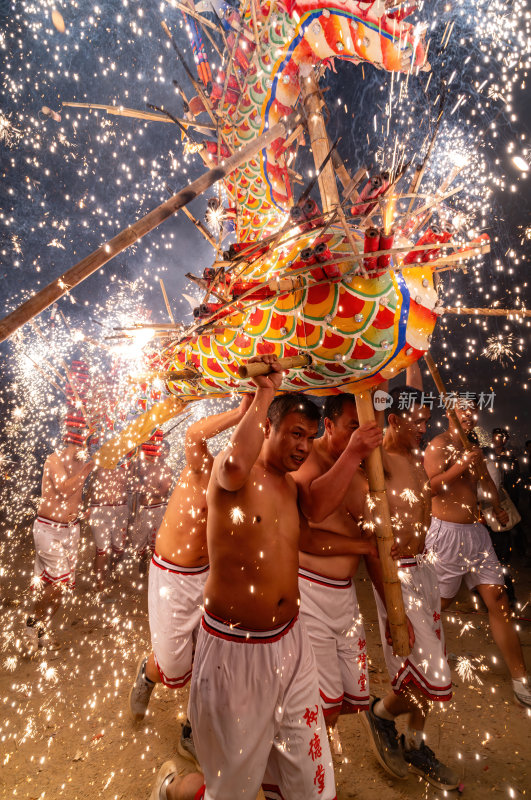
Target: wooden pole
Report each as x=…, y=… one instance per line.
x=488, y=312
x=246, y=371
x=91, y=263
x=374, y=463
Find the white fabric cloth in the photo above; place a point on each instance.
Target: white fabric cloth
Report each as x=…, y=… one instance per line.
x=426, y=666
x=145, y=527
x=108, y=525
x=256, y=715
x=462, y=551
x=331, y=615
x=175, y=606
x=56, y=551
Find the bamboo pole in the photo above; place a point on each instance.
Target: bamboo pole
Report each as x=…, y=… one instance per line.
x=166, y=301
x=374, y=463
x=149, y=116
x=252, y=370
x=91, y=263
x=489, y=312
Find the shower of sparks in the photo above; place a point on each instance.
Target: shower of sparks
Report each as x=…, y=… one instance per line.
x=500, y=347
x=237, y=515
x=9, y=134
x=409, y=496
x=74, y=178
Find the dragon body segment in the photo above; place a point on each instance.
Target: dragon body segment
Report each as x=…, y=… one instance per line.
x=359, y=328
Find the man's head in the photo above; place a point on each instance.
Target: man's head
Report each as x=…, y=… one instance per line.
x=340, y=420
x=499, y=437
x=407, y=418
x=466, y=411
x=291, y=427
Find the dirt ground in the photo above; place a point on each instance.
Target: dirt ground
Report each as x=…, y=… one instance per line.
x=65, y=730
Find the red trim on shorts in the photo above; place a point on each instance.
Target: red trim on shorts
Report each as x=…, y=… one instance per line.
x=179, y=569
x=173, y=683
x=47, y=578
x=199, y=795
x=408, y=673
x=359, y=702
x=242, y=635
x=324, y=580
x=331, y=699
x=54, y=524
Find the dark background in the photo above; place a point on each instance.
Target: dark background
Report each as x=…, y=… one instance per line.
x=69, y=186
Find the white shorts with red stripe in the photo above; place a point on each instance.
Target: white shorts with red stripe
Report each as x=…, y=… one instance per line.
x=331, y=616
x=175, y=605
x=256, y=715
x=462, y=551
x=108, y=525
x=56, y=550
x=145, y=527
x=426, y=666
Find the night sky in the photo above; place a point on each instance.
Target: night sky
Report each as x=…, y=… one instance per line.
x=69, y=185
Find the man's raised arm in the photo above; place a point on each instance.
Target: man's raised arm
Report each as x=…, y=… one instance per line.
x=234, y=464
x=435, y=465
x=64, y=485
x=320, y=496
x=197, y=435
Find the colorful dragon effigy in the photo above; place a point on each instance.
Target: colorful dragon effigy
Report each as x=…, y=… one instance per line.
x=292, y=284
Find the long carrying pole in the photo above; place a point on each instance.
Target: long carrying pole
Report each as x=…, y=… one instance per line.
x=91, y=263
x=374, y=463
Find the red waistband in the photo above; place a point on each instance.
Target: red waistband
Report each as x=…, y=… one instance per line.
x=235, y=633
x=54, y=524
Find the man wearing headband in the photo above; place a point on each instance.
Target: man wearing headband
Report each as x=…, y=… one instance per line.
x=56, y=530
x=462, y=544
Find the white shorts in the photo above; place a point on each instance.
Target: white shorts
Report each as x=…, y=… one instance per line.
x=109, y=527
x=256, y=716
x=331, y=616
x=462, y=551
x=56, y=551
x=175, y=606
x=145, y=527
x=426, y=666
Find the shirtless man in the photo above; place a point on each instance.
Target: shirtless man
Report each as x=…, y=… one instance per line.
x=333, y=489
x=254, y=702
x=108, y=517
x=175, y=588
x=424, y=676
x=152, y=482
x=462, y=545
x=56, y=534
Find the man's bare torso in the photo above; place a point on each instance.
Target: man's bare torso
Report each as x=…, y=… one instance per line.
x=109, y=486
x=458, y=502
x=55, y=505
x=182, y=535
x=259, y=522
x=154, y=483
x=345, y=521
x=409, y=497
